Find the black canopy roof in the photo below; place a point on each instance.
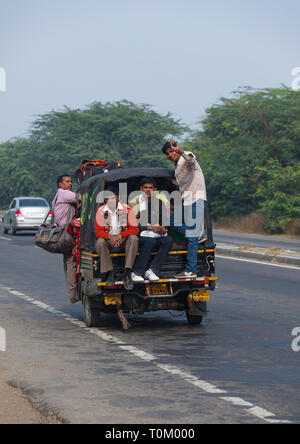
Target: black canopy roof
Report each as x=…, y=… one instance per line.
x=125, y=174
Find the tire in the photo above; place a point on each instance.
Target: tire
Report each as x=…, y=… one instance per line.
x=91, y=315
x=5, y=230
x=194, y=320
x=12, y=229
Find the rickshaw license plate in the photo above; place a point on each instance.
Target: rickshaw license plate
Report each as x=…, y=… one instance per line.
x=112, y=300
x=158, y=289
x=201, y=296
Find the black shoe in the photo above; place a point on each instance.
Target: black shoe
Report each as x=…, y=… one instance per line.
x=128, y=282
x=74, y=299
x=111, y=279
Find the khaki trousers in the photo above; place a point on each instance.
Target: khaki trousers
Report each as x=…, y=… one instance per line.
x=70, y=274
x=104, y=248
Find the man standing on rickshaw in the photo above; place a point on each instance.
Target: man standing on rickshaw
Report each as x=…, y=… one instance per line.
x=188, y=219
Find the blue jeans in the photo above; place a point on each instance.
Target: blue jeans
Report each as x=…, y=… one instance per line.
x=147, y=245
x=189, y=221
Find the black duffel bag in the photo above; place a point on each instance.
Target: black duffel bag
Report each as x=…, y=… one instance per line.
x=55, y=239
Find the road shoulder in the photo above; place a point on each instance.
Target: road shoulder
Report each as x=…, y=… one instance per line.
x=272, y=255
x=16, y=408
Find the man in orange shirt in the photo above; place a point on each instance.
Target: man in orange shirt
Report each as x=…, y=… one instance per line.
x=116, y=225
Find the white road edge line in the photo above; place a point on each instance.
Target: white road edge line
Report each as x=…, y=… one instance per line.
x=293, y=267
x=205, y=386
x=5, y=238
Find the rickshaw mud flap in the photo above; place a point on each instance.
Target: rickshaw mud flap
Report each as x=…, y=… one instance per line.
x=197, y=309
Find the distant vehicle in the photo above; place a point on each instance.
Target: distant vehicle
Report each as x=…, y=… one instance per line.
x=25, y=213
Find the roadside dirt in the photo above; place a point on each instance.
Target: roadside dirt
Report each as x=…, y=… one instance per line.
x=15, y=408
x=236, y=230
x=275, y=251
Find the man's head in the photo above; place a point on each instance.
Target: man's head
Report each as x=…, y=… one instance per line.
x=112, y=197
x=65, y=182
x=172, y=155
x=148, y=186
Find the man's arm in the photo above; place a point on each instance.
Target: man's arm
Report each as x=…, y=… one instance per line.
x=160, y=211
x=132, y=226
x=100, y=226
x=69, y=197
x=190, y=158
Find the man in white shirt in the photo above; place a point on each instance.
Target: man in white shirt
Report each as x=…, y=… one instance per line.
x=188, y=219
x=150, y=208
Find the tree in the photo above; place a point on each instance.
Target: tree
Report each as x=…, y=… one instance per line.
x=241, y=138
x=59, y=141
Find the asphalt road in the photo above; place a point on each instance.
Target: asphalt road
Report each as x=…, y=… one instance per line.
x=256, y=240
x=237, y=367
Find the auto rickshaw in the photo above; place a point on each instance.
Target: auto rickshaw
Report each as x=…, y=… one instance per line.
x=183, y=295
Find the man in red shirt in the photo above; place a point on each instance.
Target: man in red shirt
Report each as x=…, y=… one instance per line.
x=116, y=225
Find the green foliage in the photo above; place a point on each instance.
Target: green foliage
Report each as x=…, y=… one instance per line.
x=249, y=149
x=59, y=141
x=279, y=193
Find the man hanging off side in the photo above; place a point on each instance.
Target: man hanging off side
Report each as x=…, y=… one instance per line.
x=64, y=204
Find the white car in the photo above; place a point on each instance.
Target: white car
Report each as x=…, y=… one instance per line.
x=25, y=213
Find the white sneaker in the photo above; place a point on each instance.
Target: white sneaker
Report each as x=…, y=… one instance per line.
x=151, y=276
x=137, y=278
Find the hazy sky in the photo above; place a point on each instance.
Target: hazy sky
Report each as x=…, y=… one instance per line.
x=179, y=56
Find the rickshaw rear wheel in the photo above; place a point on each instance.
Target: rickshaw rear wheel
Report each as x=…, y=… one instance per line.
x=91, y=315
x=194, y=320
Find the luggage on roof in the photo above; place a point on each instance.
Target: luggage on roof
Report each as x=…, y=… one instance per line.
x=92, y=168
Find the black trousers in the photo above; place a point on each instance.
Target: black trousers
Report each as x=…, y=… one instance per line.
x=146, y=246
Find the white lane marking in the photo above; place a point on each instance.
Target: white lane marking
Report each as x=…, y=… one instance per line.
x=66, y=316
x=203, y=385
x=293, y=267
x=5, y=238
x=139, y=353
x=238, y=401
x=265, y=415
x=175, y=371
